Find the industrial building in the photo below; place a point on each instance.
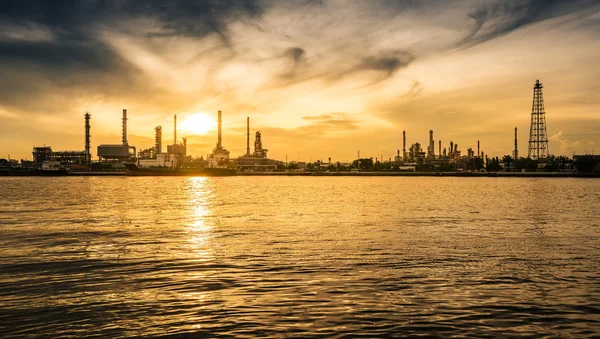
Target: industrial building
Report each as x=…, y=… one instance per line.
x=451, y=157
x=74, y=160
x=258, y=160
x=220, y=155
x=118, y=152
x=154, y=157
x=587, y=163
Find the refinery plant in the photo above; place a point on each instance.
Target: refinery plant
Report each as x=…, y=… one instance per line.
x=124, y=157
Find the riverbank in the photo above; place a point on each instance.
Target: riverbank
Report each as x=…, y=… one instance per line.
x=431, y=174
x=345, y=174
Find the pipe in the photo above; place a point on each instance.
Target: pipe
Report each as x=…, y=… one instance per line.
x=125, y=127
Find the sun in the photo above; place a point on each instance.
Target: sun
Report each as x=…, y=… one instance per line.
x=198, y=123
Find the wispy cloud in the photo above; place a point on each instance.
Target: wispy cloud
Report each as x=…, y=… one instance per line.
x=401, y=64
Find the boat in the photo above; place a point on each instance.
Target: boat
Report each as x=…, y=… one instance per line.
x=52, y=168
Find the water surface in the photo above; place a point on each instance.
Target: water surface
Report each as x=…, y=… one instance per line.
x=299, y=256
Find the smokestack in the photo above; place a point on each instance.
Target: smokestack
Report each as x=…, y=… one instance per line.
x=404, y=145
x=88, y=154
x=440, y=148
x=175, y=129
x=219, y=139
x=431, y=147
x=451, y=147
x=158, y=139
x=125, y=127
x=248, y=136
x=516, y=155
x=478, y=148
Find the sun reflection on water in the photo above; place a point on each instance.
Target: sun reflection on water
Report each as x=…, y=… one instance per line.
x=199, y=228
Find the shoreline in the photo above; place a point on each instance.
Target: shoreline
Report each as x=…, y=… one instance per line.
x=342, y=174
x=431, y=174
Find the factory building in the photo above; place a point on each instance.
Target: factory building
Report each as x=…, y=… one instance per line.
x=41, y=154
x=220, y=155
x=118, y=152
x=74, y=160
x=258, y=160
x=154, y=157
x=416, y=154
x=451, y=157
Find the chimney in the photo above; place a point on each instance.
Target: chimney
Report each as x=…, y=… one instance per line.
x=125, y=127
x=404, y=145
x=440, y=148
x=158, y=139
x=451, y=147
x=248, y=136
x=175, y=129
x=219, y=146
x=516, y=154
x=88, y=154
x=431, y=147
x=478, y=148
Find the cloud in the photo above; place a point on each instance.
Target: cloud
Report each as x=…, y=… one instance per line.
x=498, y=18
x=25, y=31
x=330, y=122
x=296, y=56
x=566, y=146
x=387, y=63
x=415, y=89
x=197, y=18
x=280, y=61
x=557, y=136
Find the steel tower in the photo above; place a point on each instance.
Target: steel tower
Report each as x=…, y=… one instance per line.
x=538, y=136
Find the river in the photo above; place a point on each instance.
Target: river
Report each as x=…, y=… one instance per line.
x=299, y=256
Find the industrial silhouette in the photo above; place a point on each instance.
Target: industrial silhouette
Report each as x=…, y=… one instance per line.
x=538, y=136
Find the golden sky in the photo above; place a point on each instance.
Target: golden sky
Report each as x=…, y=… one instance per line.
x=319, y=79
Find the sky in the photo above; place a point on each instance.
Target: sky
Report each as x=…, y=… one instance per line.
x=319, y=79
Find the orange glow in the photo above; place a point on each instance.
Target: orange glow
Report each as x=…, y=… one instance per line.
x=199, y=123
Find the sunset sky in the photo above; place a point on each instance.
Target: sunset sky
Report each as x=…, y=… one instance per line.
x=319, y=79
